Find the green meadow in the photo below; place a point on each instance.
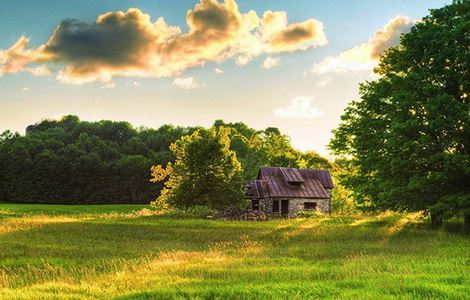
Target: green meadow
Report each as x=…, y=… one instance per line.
x=132, y=252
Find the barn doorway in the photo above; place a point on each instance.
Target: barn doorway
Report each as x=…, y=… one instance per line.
x=284, y=207
x=276, y=206
x=255, y=204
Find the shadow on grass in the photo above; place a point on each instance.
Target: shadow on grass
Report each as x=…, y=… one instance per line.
x=291, y=251
x=101, y=245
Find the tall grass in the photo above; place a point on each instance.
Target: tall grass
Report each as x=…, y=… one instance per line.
x=126, y=253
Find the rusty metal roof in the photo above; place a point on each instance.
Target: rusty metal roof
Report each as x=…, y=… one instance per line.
x=322, y=175
x=292, y=175
x=279, y=185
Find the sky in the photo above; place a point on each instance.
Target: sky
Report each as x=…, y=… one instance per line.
x=294, y=65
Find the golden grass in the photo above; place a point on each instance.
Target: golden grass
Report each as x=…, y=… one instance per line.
x=146, y=255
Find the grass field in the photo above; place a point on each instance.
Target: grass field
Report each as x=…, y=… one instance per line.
x=123, y=252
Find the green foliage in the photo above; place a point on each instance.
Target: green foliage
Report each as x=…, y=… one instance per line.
x=205, y=172
x=312, y=160
x=268, y=147
x=409, y=136
x=342, y=200
x=110, y=252
x=73, y=161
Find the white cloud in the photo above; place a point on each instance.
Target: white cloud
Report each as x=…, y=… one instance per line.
x=324, y=81
x=26, y=89
x=185, y=83
x=136, y=83
x=39, y=71
x=300, y=108
x=242, y=60
x=365, y=57
x=218, y=71
x=271, y=62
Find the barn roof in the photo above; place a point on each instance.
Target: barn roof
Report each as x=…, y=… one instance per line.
x=292, y=175
x=295, y=183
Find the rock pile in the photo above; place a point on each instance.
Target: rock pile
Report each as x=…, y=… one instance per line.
x=234, y=213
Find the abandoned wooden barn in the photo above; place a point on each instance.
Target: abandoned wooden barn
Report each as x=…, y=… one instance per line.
x=287, y=191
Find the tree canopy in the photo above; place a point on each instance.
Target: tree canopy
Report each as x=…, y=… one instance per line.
x=74, y=161
x=205, y=172
x=409, y=136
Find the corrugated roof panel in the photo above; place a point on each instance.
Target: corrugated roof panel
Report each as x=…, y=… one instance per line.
x=313, y=185
x=292, y=175
x=324, y=177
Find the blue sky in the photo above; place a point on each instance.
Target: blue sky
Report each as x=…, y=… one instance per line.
x=303, y=87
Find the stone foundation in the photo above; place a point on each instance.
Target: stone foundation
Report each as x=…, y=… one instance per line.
x=296, y=205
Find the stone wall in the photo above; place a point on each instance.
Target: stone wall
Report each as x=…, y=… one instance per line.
x=296, y=205
x=267, y=205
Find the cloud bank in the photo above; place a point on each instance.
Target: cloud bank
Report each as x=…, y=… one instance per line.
x=131, y=44
x=366, y=56
x=299, y=108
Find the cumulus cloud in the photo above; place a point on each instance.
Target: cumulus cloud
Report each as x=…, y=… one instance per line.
x=131, y=44
x=17, y=57
x=271, y=62
x=300, y=108
x=186, y=83
x=365, y=57
x=281, y=36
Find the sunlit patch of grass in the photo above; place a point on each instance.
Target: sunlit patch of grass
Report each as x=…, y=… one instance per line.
x=33, y=222
x=139, y=253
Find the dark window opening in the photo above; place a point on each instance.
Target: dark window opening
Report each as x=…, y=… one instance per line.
x=295, y=184
x=285, y=207
x=275, y=205
x=255, y=204
x=310, y=205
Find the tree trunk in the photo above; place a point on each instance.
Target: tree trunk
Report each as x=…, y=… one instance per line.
x=466, y=222
x=436, y=220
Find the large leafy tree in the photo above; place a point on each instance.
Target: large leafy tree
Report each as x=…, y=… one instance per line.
x=409, y=136
x=205, y=172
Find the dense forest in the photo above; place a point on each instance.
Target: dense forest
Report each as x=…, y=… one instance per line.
x=74, y=161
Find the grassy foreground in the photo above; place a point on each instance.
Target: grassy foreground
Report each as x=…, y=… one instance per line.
x=122, y=252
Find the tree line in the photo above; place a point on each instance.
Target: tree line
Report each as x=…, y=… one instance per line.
x=74, y=161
